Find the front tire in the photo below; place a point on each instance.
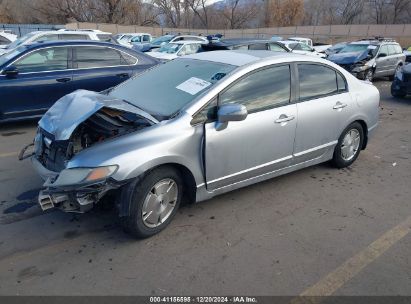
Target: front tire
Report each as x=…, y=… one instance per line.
x=349, y=146
x=369, y=75
x=154, y=202
x=397, y=93
x=391, y=77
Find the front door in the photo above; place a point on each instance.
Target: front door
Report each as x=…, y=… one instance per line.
x=43, y=78
x=263, y=142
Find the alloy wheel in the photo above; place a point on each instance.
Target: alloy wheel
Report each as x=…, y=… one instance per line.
x=159, y=203
x=350, y=144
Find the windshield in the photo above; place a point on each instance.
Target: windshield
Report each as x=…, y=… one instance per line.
x=180, y=81
x=19, y=41
x=161, y=39
x=170, y=48
x=357, y=48
x=6, y=57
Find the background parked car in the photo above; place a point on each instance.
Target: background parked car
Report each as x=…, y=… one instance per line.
x=6, y=39
x=177, y=49
x=190, y=38
x=33, y=77
x=245, y=44
x=407, y=54
x=276, y=38
x=335, y=48
x=319, y=47
x=401, y=86
x=159, y=41
x=366, y=59
x=56, y=35
x=301, y=48
x=130, y=40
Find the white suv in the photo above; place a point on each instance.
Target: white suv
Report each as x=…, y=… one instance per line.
x=6, y=39
x=56, y=35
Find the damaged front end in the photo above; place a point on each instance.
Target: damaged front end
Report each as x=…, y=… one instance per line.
x=75, y=123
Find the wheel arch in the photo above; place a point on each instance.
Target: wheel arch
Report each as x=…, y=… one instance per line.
x=365, y=130
x=189, y=187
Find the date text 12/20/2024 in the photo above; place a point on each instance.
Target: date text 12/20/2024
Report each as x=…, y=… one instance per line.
x=203, y=299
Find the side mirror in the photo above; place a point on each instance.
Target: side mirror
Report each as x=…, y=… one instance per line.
x=230, y=112
x=11, y=71
x=382, y=55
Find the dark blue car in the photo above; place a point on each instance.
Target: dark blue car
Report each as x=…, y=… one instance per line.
x=33, y=77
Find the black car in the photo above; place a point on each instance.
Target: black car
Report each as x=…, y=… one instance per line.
x=34, y=76
x=244, y=44
x=401, y=86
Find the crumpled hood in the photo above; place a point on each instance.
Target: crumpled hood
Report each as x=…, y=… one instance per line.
x=347, y=58
x=71, y=110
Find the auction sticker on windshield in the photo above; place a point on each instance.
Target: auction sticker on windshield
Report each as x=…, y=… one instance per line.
x=193, y=85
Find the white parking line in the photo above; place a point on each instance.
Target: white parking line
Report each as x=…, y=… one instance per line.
x=350, y=268
x=9, y=154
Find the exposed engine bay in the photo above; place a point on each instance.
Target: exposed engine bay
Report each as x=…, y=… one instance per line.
x=105, y=124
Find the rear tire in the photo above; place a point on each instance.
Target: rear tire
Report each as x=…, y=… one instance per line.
x=153, y=203
x=349, y=146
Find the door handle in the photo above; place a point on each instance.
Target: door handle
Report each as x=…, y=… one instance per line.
x=63, y=80
x=284, y=118
x=339, y=105
x=123, y=75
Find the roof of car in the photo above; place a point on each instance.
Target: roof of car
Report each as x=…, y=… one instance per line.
x=289, y=41
x=239, y=41
x=366, y=42
x=40, y=44
x=79, y=32
x=240, y=58
x=186, y=42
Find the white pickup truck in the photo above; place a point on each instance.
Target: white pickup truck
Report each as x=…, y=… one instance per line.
x=319, y=47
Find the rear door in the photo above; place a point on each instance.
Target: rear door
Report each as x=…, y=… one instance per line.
x=44, y=76
x=263, y=142
x=323, y=109
x=100, y=67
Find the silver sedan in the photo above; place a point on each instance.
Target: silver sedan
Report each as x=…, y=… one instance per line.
x=197, y=127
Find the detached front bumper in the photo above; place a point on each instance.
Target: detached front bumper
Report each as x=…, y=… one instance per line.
x=77, y=198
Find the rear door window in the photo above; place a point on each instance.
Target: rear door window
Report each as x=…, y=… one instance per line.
x=98, y=57
x=392, y=50
x=316, y=81
x=384, y=50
